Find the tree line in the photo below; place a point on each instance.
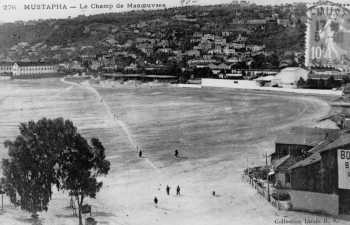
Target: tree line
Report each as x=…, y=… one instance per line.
x=329, y=83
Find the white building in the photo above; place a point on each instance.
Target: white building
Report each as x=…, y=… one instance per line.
x=6, y=67
x=290, y=76
x=33, y=68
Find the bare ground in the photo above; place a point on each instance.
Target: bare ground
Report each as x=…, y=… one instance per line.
x=218, y=133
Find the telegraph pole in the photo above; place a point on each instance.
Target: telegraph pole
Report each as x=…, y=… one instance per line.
x=2, y=192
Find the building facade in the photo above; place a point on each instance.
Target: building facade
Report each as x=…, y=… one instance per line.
x=33, y=68
x=5, y=68
x=27, y=68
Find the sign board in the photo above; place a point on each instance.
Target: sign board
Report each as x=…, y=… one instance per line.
x=328, y=36
x=344, y=169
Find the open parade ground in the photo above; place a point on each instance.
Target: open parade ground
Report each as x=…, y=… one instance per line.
x=218, y=133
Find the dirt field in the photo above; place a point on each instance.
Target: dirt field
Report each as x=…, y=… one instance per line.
x=218, y=133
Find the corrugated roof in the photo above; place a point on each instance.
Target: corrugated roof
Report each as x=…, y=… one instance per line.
x=305, y=136
x=320, y=146
x=333, y=140
x=314, y=158
x=280, y=161
x=341, y=141
x=284, y=163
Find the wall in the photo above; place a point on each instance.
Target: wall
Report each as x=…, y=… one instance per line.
x=188, y=85
x=253, y=85
x=229, y=83
x=314, y=202
x=307, y=178
x=329, y=168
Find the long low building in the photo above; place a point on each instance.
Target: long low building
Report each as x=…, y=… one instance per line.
x=142, y=77
x=27, y=68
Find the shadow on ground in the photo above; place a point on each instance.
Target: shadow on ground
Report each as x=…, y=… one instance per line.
x=31, y=221
x=103, y=214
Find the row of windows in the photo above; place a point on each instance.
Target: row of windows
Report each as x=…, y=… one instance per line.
x=34, y=72
x=37, y=69
x=28, y=68
x=5, y=67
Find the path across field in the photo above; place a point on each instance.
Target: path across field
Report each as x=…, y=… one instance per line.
x=215, y=130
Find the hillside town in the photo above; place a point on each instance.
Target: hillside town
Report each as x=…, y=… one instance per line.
x=196, y=41
x=235, y=41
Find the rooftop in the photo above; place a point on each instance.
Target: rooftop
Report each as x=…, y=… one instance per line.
x=6, y=63
x=306, y=136
x=283, y=163
x=314, y=158
x=341, y=141
x=33, y=63
x=332, y=142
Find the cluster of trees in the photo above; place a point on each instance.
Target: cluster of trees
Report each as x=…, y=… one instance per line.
x=330, y=83
x=48, y=153
x=262, y=61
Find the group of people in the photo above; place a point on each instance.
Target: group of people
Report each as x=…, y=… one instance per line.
x=176, y=153
x=167, y=189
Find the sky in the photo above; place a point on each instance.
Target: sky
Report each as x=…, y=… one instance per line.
x=13, y=10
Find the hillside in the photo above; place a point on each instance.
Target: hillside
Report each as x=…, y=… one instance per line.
x=66, y=39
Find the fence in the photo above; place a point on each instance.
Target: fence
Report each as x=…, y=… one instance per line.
x=188, y=85
x=256, y=185
x=267, y=194
x=299, y=200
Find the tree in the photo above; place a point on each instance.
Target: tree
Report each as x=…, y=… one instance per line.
x=301, y=83
x=259, y=61
x=332, y=83
x=29, y=172
x=81, y=165
x=52, y=152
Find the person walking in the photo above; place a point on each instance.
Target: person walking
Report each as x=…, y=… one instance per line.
x=176, y=153
x=140, y=154
x=178, y=190
x=167, y=190
x=155, y=200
